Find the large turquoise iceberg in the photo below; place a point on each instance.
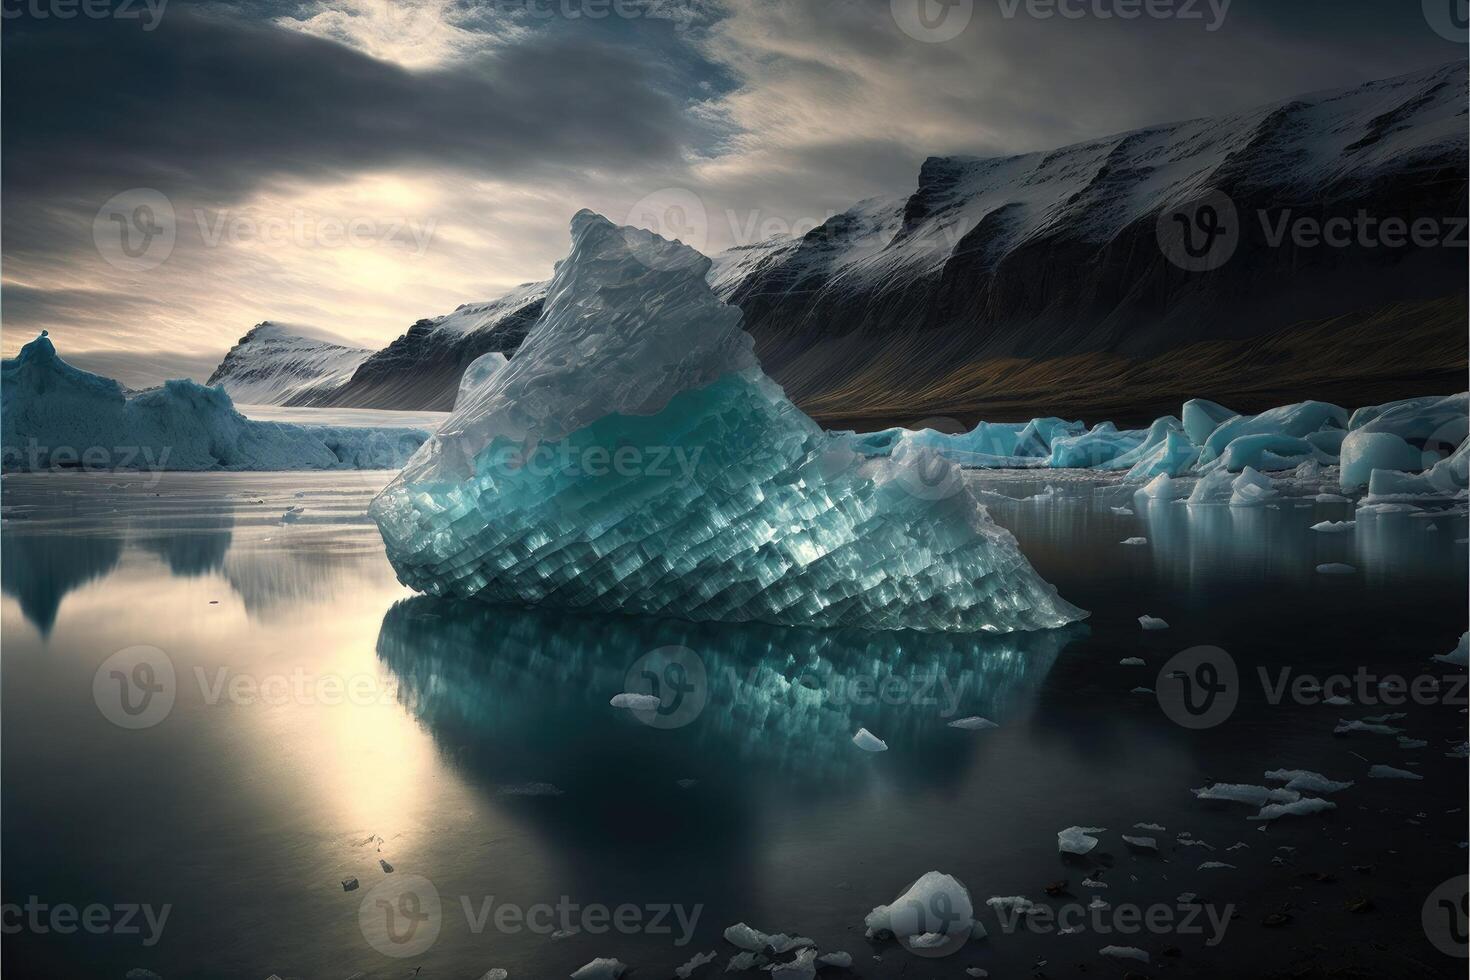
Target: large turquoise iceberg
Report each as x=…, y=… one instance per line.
x=633, y=457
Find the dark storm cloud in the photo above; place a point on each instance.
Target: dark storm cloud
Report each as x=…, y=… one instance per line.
x=209, y=106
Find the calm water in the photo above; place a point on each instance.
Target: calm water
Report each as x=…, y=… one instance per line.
x=323, y=718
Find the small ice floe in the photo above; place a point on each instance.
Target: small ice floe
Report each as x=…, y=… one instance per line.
x=744, y=961
x=1411, y=743
x=1122, y=511
x=1186, y=841
x=493, y=974
x=636, y=702
x=1159, y=488
x=349, y=884
x=975, y=971
x=1134, y=541
x=801, y=968
x=1152, y=623
x=1461, y=751
x=1215, y=866
x=1093, y=883
x=1186, y=898
x=1131, y=662
x=1246, y=793
x=755, y=941
x=1078, y=840
x=1337, y=701
x=695, y=962
x=1335, y=568
x=1156, y=828
x=531, y=789
x=565, y=933
x=1142, y=690
x=974, y=723
x=914, y=913
x=292, y=514
x=1305, y=806
x=1368, y=726
x=1015, y=904
x=838, y=960
x=1459, y=656
x=1389, y=772
x=1431, y=527
x=602, y=968
x=1239, y=845
x=1098, y=905
x=1142, y=843
x=686, y=783
x=1124, y=953
x=1334, y=527
x=1332, y=498
x=1306, y=781
x=869, y=742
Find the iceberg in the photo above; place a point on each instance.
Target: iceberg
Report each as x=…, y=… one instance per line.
x=53, y=415
x=935, y=910
x=633, y=458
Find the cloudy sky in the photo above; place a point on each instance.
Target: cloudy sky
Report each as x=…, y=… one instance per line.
x=176, y=171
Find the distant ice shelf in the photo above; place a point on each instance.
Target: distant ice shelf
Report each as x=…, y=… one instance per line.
x=55, y=416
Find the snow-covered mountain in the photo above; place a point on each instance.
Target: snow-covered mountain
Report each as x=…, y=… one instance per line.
x=1004, y=285
x=1040, y=279
x=281, y=364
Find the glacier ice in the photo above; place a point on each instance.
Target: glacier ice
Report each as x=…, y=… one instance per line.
x=54, y=415
x=936, y=904
x=479, y=371
x=632, y=457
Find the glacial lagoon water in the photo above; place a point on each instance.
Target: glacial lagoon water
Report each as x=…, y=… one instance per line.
x=309, y=717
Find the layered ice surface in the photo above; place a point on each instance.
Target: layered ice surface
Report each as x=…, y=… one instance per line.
x=53, y=415
x=632, y=457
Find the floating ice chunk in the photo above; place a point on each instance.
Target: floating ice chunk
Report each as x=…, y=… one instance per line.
x=1337, y=701
x=974, y=723
x=746, y=937
x=1296, y=421
x=934, y=903
x=602, y=968
x=1172, y=457
x=1246, y=793
x=869, y=742
x=1335, y=568
x=636, y=702
x=1333, y=527
x=1459, y=656
x=838, y=960
x=1077, y=840
x=1300, y=808
x=1159, y=488
x=1131, y=662
x=1215, y=866
x=744, y=961
x=1122, y=511
x=496, y=973
x=1100, y=445
x=1152, y=623
x=1142, y=843
x=1411, y=743
x=1097, y=905
x=1306, y=781
x=1203, y=417
x=1134, y=541
x=1271, y=451
x=1015, y=904
x=634, y=350
x=1214, y=487
x=1142, y=690
x=1124, y=953
x=975, y=971
x=1093, y=883
x=1389, y=772
x=1368, y=726
x=801, y=968
x=1363, y=452
x=1332, y=498
x=1155, y=828
x=1251, y=489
